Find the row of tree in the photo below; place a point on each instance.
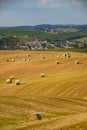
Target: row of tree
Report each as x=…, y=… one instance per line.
x=13, y=43
x=9, y=43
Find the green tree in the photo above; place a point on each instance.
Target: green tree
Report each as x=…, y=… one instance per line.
x=10, y=42
x=1, y=44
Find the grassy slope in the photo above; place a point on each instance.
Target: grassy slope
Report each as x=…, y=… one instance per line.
x=42, y=35
x=82, y=39
x=60, y=97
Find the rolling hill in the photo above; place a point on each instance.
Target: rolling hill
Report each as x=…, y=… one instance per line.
x=42, y=35
x=29, y=38
x=42, y=27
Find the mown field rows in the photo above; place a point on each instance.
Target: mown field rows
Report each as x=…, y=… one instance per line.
x=60, y=96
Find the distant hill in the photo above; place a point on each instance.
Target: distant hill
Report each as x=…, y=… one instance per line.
x=43, y=36
x=44, y=27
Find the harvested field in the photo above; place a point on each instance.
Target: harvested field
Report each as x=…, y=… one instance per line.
x=60, y=97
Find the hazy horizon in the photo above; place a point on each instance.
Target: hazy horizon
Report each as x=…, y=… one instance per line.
x=42, y=24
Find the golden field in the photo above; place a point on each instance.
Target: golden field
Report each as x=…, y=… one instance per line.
x=60, y=97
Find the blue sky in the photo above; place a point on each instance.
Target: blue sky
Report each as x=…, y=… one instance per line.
x=33, y=12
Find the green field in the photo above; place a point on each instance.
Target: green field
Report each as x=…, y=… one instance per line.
x=82, y=40
x=60, y=97
x=42, y=35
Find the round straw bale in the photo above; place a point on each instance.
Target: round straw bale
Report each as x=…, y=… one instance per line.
x=77, y=62
x=11, y=77
x=57, y=62
x=64, y=55
x=13, y=60
x=17, y=82
x=39, y=117
x=42, y=75
x=8, y=81
x=24, y=59
x=58, y=56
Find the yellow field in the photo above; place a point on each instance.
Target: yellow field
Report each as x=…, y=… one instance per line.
x=60, y=97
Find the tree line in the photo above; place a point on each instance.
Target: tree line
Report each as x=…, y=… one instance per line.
x=9, y=43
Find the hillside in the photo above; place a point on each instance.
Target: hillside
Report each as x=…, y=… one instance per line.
x=60, y=97
x=39, y=40
x=43, y=27
x=42, y=35
x=84, y=40
x=56, y=36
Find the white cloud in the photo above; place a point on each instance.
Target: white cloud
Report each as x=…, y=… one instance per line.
x=76, y=2
x=79, y=2
x=50, y=3
x=43, y=2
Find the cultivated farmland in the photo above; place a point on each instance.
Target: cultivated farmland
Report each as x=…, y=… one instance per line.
x=60, y=96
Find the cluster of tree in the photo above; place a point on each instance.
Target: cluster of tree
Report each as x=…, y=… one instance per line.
x=9, y=43
x=76, y=37
x=28, y=42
